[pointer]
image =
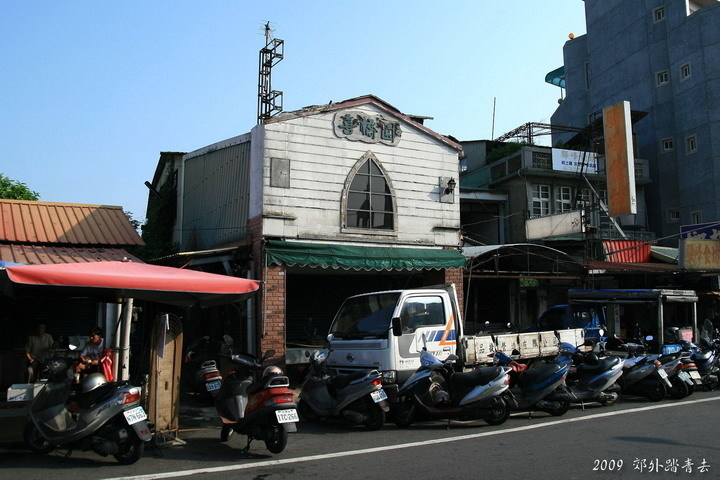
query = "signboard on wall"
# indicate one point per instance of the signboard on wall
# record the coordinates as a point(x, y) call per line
point(700, 254)
point(619, 159)
point(356, 125)
point(568, 223)
point(573, 160)
point(701, 231)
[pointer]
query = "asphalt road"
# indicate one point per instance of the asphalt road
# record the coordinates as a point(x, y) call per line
point(632, 439)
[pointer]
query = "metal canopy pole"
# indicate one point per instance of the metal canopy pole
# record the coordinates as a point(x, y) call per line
point(124, 367)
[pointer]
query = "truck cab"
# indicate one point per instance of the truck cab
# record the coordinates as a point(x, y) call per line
point(361, 335)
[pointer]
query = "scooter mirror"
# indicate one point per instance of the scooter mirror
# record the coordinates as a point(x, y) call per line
point(268, 353)
point(227, 339)
point(72, 347)
point(601, 332)
point(649, 338)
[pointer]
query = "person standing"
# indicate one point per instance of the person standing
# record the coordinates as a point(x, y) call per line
point(37, 351)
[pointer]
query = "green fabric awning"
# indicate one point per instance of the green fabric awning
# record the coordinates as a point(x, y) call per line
point(327, 255)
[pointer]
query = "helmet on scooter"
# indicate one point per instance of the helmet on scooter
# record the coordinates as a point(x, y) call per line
point(272, 370)
point(93, 382)
point(57, 370)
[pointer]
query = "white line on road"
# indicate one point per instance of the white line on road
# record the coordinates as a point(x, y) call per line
point(326, 456)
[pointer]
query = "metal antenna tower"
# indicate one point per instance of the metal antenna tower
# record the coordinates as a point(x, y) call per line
point(269, 100)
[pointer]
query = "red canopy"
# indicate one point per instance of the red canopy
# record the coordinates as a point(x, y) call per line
point(112, 280)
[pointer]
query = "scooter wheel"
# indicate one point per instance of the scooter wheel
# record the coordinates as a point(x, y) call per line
point(278, 441)
point(404, 415)
point(500, 413)
point(130, 451)
point(561, 409)
point(226, 432)
point(374, 418)
point(679, 389)
point(35, 440)
point(655, 391)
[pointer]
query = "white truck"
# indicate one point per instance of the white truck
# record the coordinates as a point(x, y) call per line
point(386, 331)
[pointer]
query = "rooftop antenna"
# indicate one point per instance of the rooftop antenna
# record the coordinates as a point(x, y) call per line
point(269, 100)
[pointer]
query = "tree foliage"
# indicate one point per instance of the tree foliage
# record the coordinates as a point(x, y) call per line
point(14, 190)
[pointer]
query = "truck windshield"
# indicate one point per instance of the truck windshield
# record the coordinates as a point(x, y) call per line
point(365, 316)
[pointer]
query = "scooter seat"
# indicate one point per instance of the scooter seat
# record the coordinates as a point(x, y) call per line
point(342, 381)
point(479, 376)
point(603, 364)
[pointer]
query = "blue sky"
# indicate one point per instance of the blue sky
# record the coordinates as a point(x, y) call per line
point(93, 91)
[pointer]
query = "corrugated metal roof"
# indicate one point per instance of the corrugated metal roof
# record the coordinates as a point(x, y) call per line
point(626, 251)
point(28, 222)
point(44, 254)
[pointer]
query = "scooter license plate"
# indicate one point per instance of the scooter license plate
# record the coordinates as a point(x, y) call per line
point(378, 395)
point(135, 415)
point(663, 373)
point(683, 376)
point(695, 375)
point(212, 386)
point(287, 415)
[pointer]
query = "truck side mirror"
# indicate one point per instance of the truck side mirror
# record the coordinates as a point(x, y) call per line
point(396, 327)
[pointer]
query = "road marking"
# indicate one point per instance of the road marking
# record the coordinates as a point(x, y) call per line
point(424, 443)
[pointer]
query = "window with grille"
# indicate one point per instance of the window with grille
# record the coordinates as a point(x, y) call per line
point(691, 144)
point(369, 200)
point(542, 160)
point(668, 144)
point(540, 200)
point(674, 215)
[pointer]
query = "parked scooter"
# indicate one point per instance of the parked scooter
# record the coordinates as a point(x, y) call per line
point(357, 397)
point(592, 376)
point(706, 358)
point(202, 374)
point(259, 406)
point(643, 375)
point(435, 391)
point(540, 385)
point(106, 417)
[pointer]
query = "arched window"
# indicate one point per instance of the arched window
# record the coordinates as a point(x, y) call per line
point(368, 200)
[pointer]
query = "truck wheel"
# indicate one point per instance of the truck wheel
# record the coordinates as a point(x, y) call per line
point(498, 414)
point(35, 440)
point(278, 441)
point(405, 414)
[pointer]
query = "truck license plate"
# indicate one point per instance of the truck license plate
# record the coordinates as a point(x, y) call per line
point(378, 395)
point(287, 415)
point(212, 386)
point(135, 415)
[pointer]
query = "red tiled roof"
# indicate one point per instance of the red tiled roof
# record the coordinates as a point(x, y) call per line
point(29, 222)
point(44, 254)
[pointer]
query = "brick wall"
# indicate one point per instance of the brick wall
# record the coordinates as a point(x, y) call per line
point(270, 303)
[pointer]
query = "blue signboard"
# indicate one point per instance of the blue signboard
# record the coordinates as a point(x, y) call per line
point(701, 231)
